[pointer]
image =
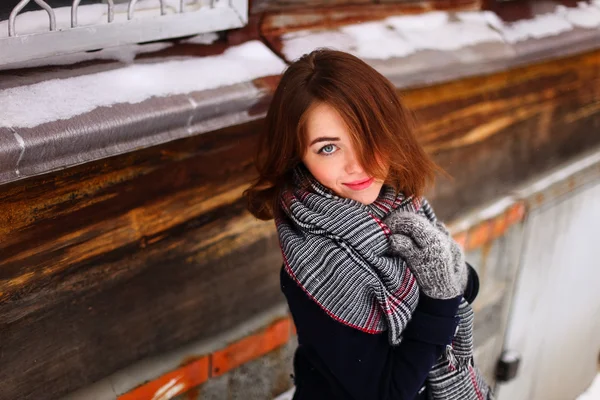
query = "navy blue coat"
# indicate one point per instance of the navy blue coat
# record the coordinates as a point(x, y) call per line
point(336, 362)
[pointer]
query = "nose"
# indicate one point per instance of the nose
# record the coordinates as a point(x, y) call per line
point(352, 166)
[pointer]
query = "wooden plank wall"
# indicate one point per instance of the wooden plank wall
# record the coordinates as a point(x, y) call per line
point(111, 261)
point(108, 262)
point(493, 132)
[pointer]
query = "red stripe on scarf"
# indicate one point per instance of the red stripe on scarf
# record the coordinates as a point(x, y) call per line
point(291, 274)
point(416, 203)
point(475, 386)
point(405, 288)
point(372, 314)
point(382, 225)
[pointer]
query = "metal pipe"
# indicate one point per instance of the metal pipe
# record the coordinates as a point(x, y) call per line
point(131, 8)
point(50, 12)
point(111, 10)
point(74, 13)
point(13, 16)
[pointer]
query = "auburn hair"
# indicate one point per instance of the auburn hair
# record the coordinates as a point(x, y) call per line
point(380, 127)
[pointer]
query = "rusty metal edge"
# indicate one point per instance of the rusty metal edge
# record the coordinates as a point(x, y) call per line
point(110, 131)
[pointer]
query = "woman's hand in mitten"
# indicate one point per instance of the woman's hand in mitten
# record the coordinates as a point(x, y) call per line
point(433, 257)
point(458, 256)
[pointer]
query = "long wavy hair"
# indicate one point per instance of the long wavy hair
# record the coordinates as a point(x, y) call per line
point(381, 128)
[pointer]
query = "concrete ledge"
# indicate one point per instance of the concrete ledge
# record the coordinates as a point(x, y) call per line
point(176, 372)
point(481, 226)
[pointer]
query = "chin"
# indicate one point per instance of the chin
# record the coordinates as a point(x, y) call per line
point(366, 200)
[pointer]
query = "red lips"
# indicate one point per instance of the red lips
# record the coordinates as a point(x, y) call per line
point(361, 184)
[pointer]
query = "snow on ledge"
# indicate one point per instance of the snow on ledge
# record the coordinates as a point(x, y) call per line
point(287, 395)
point(593, 391)
point(399, 36)
point(395, 36)
point(584, 15)
point(56, 99)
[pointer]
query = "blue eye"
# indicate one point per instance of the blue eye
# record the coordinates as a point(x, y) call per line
point(328, 149)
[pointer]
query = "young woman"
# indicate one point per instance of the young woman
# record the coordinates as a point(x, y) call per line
point(375, 284)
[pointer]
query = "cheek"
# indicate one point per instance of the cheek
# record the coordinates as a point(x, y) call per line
point(324, 170)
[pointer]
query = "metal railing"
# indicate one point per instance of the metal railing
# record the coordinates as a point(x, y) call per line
point(118, 25)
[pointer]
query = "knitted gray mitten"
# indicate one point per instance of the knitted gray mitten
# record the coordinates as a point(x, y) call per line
point(435, 259)
point(458, 257)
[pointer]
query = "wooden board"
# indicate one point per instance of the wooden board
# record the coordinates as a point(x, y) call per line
point(112, 261)
point(494, 132)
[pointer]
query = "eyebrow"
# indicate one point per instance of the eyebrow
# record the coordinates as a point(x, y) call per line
point(324, 139)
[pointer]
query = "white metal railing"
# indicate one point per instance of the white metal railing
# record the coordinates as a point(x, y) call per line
point(50, 32)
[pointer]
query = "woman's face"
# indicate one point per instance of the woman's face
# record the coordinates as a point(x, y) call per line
point(331, 157)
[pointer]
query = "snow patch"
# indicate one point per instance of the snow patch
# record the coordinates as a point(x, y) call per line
point(402, 35)
point(286, 395)
point(420, 22)
point(444, 34)
point(583, 16)
point(593, 392)
point(539, 27)
point(487, 17)
point(396, 36)
point(376, 40)
point(203, 38)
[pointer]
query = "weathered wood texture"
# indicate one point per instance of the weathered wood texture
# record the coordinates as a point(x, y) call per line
point(108, 262)
point(111, 261)
point(494, 132)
